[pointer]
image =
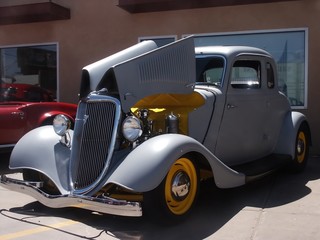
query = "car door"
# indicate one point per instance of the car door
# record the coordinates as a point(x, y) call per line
point(12, 123)
point(242, 135)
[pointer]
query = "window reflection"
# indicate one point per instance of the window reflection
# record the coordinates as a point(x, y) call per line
point(28, 73)
point(287, 48)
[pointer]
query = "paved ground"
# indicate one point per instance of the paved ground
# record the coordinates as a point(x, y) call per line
point(282, 206)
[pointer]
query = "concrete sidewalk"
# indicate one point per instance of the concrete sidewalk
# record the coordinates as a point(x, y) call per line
point(281, 206)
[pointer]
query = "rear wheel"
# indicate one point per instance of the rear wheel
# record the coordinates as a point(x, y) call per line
point(301, 149)
point(174, 198)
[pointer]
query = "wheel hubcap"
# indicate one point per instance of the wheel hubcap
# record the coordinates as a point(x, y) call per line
point(180, 186)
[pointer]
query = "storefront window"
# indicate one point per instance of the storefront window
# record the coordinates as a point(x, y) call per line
point(29, 67)
point(288, 47)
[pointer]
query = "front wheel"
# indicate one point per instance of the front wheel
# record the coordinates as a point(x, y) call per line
point(175, 196)
point(34, 176)
point(301, 149)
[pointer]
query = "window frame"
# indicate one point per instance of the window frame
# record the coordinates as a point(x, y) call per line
point(209, 58)
point(57, 59)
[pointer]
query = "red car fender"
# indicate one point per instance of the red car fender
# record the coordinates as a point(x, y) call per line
point(49, 116)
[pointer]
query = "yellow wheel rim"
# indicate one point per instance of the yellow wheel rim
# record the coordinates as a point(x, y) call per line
point(181, 186)
point(301, 147)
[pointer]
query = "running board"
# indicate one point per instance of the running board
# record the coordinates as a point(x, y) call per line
point(262, 167)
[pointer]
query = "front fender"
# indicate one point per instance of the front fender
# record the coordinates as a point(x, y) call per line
point(41, 150)
point(147, 165)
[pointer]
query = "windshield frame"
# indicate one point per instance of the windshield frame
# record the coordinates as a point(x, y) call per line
point(199, 71)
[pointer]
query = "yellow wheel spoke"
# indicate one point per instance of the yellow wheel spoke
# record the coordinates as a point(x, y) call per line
point(301, 147)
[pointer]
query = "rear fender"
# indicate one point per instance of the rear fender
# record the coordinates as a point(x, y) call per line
point(41, 150)
point(147, 165)
point(287, 138)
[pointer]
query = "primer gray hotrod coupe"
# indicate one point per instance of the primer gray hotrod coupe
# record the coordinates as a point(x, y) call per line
point(152, 122)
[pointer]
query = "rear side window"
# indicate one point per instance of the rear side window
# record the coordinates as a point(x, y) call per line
point(246, 74)
point(270, 75)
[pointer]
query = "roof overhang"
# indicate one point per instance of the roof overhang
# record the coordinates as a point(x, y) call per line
point(140, 6)
point(37, 12)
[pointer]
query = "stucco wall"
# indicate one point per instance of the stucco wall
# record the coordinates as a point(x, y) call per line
point(98, 28)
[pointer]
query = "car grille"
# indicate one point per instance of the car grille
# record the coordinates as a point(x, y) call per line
point(93, 141)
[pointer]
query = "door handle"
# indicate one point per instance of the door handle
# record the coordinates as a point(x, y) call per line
point(230, 106)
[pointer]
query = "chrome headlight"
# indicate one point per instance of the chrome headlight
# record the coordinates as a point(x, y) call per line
point(132, 128)
point(61, 124)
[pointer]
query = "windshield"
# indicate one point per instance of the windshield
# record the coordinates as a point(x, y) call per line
point(210, 69)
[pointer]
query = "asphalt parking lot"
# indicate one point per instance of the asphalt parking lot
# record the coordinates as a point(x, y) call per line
point(281, 206)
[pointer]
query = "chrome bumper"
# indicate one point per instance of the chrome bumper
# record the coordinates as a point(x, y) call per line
point(102, 205)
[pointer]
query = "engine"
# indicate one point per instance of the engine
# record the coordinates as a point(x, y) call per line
point(142, 124)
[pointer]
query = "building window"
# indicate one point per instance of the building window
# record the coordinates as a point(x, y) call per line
point(160, 40)
point(34, 65)
point(289, 49)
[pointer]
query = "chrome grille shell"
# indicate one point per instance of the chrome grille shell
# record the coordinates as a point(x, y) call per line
point(94, 138)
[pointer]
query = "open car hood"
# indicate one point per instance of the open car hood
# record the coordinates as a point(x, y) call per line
point(144, 70)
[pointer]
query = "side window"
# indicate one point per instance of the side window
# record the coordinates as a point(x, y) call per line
point(246, 74)
point(270, 75)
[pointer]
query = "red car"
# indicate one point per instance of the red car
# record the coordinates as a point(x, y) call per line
point(24, 107)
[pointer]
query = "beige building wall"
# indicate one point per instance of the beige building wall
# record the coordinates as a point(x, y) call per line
point(98, 28)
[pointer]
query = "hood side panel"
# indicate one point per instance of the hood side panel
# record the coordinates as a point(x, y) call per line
point(96, 70)
point(168, 69)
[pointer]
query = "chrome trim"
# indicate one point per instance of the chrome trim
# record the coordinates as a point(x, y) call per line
point(180, 186)
point(89, 168)
point(102, 205)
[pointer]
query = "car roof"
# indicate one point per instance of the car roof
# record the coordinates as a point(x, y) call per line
point(230, 51)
